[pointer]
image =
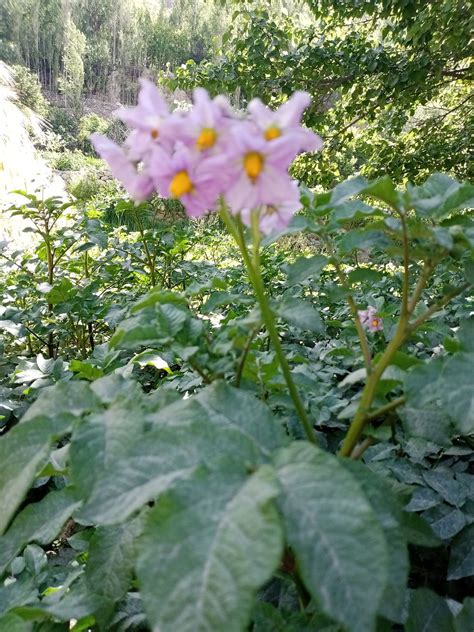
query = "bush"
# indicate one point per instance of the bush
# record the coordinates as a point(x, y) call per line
point(89, 124)
point(68, 161)
point(90, 186)
point(65, 124)
point(28, 89)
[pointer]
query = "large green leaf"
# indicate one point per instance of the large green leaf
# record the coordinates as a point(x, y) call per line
point(423, 415)
point(208, 546)
point(38, 522)
point(440, 195)
point(226, 408)
point(301, 314)
point(457, 391)
point(218, 424)
point(461, 562)
point(17, 593)
point(110, 563)
point(62, 403)
point(428, 612)
point(389, 512)
point(23, 451)
point(306, 268)
point(336, 535)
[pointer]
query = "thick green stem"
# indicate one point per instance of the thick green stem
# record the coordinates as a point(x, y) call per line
point(368, 394)
point(257, 283)
point(403, 331)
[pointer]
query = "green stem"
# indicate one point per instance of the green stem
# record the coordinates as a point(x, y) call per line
point(386, 408)
point(368, 394)
point(243, 357)
point(257, 283)
point(344, 281)
point(403, 331)
point(437, 306)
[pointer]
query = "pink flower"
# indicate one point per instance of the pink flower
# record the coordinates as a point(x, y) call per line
point(138, 183)
point(370, 320)
point(260, 170)
point(147, 119)
point(274, 217)
point(196, 181)
point(205, 127)
point(285, 123)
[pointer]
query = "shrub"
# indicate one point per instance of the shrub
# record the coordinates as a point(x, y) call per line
point(69, 161)
point(28, 89)
point(89, 124)
point(65, 124)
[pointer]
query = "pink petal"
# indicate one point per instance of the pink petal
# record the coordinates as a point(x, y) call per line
point(290, 113)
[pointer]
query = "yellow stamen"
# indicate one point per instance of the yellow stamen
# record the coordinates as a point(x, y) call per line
point(253, 164)
point(375, 322)
point(272, 132)
point(154, 134)
point(180, 184)
point(206, 138)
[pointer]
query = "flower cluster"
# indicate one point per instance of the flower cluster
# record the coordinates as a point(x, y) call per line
point(369, 319)
point(211, 152)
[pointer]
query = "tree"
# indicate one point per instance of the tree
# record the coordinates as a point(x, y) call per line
point(72, 79)
point(382, 76)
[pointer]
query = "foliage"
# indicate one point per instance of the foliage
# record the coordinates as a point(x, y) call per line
point(110, 43)
point(89, 124)
point(390, 81)
point(155, 471)
point(72, 80)
point(29, 91)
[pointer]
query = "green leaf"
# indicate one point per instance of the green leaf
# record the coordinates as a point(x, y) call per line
point(457, 391)
point(208, 546)
point(423, 415)
point(417, 531)
point(23, 451)
point(306, 268)
point(14, 623)
point(445, 521)
point(464, 619)
point(301, 314)
point(335, 534)
point(152, 327)
point(428, 612)
point(440, 195)
point(110, 564)
point(39, 522)
point(17, 593)
point(466, 334)
point(367, 275)
point(384, 190)
point(389, 513)
point(442, 481)
point(461, 561)
point(122, 470)
point(62, 404)
point(362, 239)
point(348, 189)
point(353, 210)
point(60, 292)
point(151, 358)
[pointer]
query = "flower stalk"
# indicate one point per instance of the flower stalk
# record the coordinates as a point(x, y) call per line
point(253, 269)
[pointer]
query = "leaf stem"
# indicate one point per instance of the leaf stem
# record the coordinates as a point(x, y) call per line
point(395, 403)
point(437, 306)
point(243, 357)
point(344, 281)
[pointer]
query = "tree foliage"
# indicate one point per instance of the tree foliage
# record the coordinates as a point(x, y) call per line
point(391, 81)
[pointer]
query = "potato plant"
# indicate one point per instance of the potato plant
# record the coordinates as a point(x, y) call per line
point(241, 448)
